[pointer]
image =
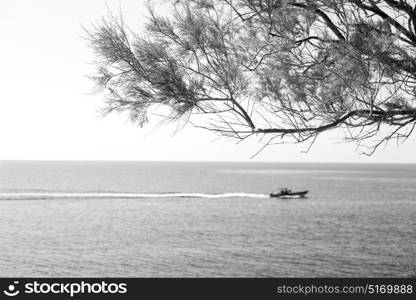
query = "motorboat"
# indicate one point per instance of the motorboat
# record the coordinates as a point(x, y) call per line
point(287, 193)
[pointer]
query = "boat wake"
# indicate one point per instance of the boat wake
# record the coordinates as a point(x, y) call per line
point(105, 195)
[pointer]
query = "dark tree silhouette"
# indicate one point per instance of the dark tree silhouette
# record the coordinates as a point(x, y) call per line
point(285, 69)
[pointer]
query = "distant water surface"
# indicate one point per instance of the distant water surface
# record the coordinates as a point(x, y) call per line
point(206, 219)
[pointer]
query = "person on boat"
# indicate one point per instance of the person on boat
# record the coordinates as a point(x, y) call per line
point(285, 191)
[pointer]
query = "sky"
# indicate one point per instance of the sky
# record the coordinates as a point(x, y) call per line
point(48, 110)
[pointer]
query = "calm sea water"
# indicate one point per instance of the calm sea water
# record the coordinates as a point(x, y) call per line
point(121, 219)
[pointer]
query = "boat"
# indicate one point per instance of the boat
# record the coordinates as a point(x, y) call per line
point(287, 193)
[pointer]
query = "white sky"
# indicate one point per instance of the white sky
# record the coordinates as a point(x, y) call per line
point(47, 110)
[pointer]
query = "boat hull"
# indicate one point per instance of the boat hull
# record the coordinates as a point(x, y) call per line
point(301, 194)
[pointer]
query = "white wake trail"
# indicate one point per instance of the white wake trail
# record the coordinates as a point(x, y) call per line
point(99, 195)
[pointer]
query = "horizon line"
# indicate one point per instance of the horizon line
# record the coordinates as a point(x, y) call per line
point(202, 161)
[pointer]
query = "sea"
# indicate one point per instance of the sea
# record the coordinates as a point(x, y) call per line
point(206, 219)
